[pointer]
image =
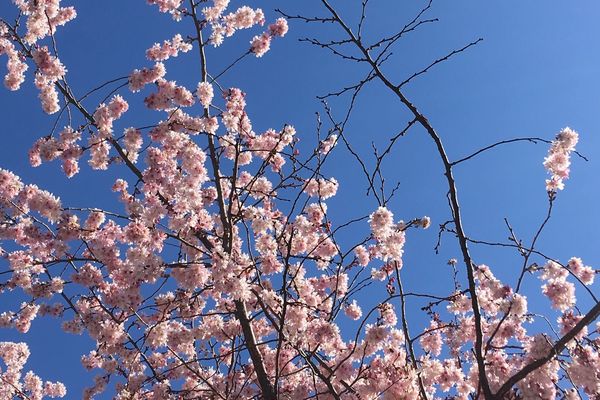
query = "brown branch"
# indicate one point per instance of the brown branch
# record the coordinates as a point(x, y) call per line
point(527, 139)
point(241, 312)
point(407, 338)
point(453, 195)
point(438, 61)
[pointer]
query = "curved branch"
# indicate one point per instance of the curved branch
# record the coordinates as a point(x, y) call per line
point(526, 139)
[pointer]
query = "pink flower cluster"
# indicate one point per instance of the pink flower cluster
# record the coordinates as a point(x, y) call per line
point(65, 147)
point(10, 186)
point(168, 49)
point(50, 70)
point(353, 310)
point(168, 6)
point(12, 382)
point(560, 292)
point(557, 161)
point(321, 187)
point(585, 273)
point(104, 118)
point(43, 17)
point(140, 78)
point(32, 198)
point(224, 26)
point(213, 13)
point(260, 44)
point(235, 118)
point(381, 222)
point(168, 96)
point(326, 145)
point(389, 238)
point(269, 145)
point(15, 65)
point(217, 239)
point(205, 93)
point(133, 143)
point(584, 370)
point(106, 114)
point(431, 341)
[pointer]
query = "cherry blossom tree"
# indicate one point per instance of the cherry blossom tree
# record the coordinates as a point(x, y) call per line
point(220, 274)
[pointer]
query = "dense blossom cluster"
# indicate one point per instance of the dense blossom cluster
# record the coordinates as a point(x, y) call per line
point(168, 6)
point(42, 19)
point(262, 43)
point(140, 78)
point(560, 291)
point(259, 287)
point(225, 25)
point(15, 65)
point(13, 384)
point(65, 147)
point(558, 160)
point(49, 71)
point(205, 93)
point(168, 49)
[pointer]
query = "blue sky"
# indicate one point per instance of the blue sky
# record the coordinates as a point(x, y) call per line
point(535, 72)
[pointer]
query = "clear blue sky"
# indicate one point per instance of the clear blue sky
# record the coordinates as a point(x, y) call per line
point(535, 72)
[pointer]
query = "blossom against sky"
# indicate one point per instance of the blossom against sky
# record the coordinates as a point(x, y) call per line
point(534, 73)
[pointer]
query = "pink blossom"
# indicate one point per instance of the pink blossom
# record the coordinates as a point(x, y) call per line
point(99, 150)
point(279, 28)
point(133, 143)
point(431, 341)
point(166, 6)
point(49, 98)
point(48, 65)
point(10, 185)
point(424, 222)
point(260, 44)
point(561, 293)
point(326, 145)
point(585, 273)
point(244, 18)
point(26, 316)
point(387, 315)
point(353, 310)
point(169, 95)
point(568, 321)
point(55, 389)
point(362, 256)
point(168, 49)
point(88, 275)
point(46, 204)
point(213, 13)
point(390, 247)
point(223, 238)
point(381, 222)
point(117, 107)
point(558, 160)
point(322, 188)
point(13, 384)
point(140, 78)
point(15, 65)
point(584, 370)
point(205, 93)
point(43, 18)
